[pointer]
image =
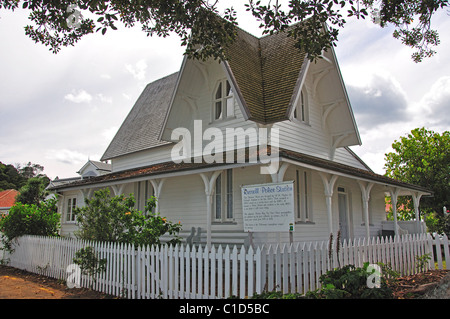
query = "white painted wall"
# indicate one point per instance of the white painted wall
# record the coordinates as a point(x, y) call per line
point(183, 200)
point(311, 139)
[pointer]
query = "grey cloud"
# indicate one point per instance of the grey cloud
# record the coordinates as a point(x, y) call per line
point(380, 102)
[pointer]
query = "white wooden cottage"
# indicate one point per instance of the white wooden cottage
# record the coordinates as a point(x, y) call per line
point(265, 83)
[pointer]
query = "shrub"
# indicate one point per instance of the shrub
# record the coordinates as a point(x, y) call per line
point(114, 219)
point(24, 219)
point(89, 263)
point(347, 282)
point(350, 282)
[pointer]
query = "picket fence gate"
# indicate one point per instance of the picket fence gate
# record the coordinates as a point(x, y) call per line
point(185, 271)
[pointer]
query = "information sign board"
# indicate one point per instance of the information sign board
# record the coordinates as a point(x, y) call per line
point(268, 207)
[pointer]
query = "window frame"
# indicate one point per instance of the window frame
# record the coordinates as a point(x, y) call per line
point(223, 87)
point(302, 108)
point(303, 197)
point(69, 207)
point(224, 195)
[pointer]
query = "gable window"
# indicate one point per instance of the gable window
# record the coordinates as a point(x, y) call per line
point(303, 196)
point(223, 101)
point(301, 111)
point(71, 205)
point(223, 201)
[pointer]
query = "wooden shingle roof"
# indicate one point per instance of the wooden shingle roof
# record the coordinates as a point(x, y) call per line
point(141, 127)
point(266, 72)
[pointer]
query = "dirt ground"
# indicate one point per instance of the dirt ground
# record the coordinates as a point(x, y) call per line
point(433, 284)
point(18, 284)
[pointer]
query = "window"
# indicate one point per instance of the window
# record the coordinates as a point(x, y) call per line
point(223, 202)
point(301, 111)
point(223, 101)
point(303, 196)
point(143, 191)
point(71, 204)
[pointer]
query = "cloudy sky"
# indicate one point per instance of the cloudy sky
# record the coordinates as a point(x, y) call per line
point(59, 110)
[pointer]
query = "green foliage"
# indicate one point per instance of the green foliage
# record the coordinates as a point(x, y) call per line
point(423, 158)
point(25, 219)
point(114, 219)
point(206, 32)
point(89, 262)
point(277, 295)
point(350, 282)
point(15, 177)
point(33, 192)
point(438, 223)
point(422, 261)
point(10, 178)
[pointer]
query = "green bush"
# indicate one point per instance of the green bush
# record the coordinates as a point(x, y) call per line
point(114, 219)
point(24, 219)
point(89, 263)
point(348, 282)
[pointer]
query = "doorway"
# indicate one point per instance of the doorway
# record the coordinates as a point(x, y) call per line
point(344, 213)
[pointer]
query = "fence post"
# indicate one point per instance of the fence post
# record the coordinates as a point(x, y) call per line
point(446, 251)
point(242, 271)
point(260, 269)
point(437, 243)
point(430, 249)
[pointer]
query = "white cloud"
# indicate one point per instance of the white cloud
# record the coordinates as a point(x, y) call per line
point(66, 156)
point(104, 99)
point(380, 100)
point(80, 96)
point(439, 95)
point(109, 133)
point(138, 70)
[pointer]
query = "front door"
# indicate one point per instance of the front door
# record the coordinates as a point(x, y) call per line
point(343, 215)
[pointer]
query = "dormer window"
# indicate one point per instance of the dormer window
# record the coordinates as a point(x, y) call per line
point(301, 112)
point(223, 101)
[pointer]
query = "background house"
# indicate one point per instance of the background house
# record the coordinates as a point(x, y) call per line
point(7, 200)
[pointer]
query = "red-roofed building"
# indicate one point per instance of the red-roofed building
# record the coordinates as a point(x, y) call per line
point(7, 199)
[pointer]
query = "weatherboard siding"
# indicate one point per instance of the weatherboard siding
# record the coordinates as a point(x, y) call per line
point(311, 139)
point(183, 200)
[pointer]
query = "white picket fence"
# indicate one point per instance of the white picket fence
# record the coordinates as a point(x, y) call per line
point(195, 272)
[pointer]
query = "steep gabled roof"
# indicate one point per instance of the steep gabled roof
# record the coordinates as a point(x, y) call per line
point(267, 74)
point(141, 128)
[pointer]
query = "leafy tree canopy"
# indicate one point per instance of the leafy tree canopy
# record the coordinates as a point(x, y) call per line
point(15, 177)
point(10, 178)
point(33, 192)
point(206, 32)
point(423, 158)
